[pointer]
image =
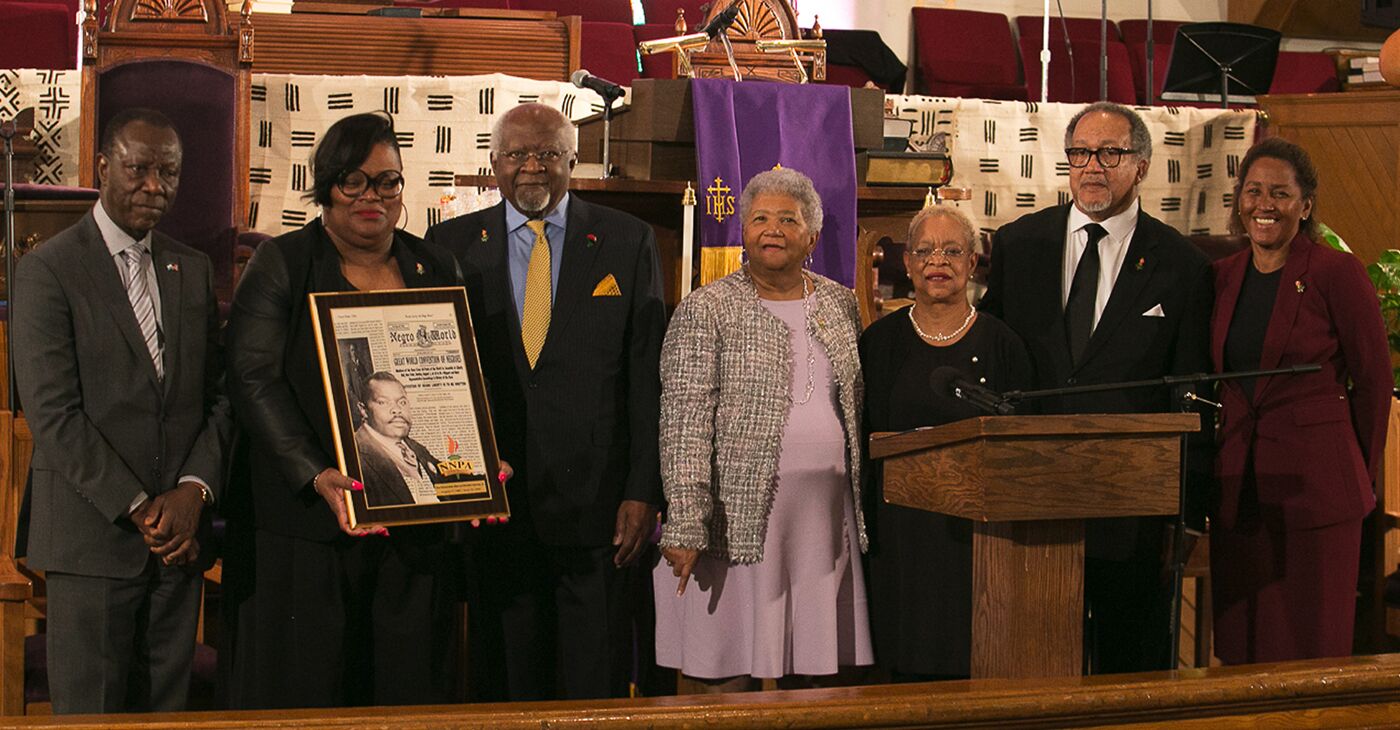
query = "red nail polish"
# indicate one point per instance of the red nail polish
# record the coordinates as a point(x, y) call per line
point(502, 477)
point(356, 486)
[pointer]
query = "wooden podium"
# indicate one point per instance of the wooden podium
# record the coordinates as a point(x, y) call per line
point(1028, 483)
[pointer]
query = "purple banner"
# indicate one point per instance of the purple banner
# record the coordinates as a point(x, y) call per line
point(744, 128)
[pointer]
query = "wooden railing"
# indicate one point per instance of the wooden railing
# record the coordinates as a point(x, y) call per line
point(1361, 691)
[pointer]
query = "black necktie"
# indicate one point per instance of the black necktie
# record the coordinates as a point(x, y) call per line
point(1083, 293)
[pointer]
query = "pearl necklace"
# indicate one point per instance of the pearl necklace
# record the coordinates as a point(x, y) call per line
point(807, 326)
point(941, 337)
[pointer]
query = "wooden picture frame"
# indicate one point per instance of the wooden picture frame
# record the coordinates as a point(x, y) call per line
point(408, 407)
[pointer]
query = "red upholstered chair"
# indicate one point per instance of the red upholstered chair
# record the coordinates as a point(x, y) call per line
point(1135, 31)
point(607, 11)
point(151, 54)
point(37, 35)
point(1161, 58)
point(609, 51)
point(1080, 84)
point(1304, 73)
point(663, 12)
point(853, 76)
point(1080, 29)
point(659, 65)
point(966, 53)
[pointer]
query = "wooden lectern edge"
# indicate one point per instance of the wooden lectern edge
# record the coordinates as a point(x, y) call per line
point(885, 444)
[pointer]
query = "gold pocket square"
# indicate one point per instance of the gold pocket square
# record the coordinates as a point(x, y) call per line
point(607, 287)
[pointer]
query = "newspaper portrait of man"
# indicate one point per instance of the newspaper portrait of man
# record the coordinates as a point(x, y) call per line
point(408, 405)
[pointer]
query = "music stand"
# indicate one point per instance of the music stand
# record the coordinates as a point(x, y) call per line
point(1208, 59)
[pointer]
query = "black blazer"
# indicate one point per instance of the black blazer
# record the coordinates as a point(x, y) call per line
point(1161, 267)
point(274, 376)
point(580, 429)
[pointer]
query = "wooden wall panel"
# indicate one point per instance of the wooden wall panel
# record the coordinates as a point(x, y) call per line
point(1354, 140)
point(1331, 19)
point(308, 43)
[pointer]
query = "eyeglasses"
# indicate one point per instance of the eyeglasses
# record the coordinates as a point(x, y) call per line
point(1108, 156)
point(920, 255)
point(545, 157)
point(387, 184)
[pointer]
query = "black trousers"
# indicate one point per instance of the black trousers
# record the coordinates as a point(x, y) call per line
point(1128, 603)
point(548, 622)
point(122, 644)
point(353, 622)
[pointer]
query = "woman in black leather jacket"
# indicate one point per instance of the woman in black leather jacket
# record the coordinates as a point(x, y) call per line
point(326, 615)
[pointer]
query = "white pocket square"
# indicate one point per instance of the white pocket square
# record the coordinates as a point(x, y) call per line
point(1155, 311)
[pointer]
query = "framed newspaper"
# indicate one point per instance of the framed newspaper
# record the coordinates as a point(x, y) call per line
point(408, 405)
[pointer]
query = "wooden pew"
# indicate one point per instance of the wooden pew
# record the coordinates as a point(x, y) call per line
point(1362, 691)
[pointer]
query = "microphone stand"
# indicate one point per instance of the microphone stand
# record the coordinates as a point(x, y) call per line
point(1151, 42)
point(1181, 386)
point(1103, 53)
point(608, 100)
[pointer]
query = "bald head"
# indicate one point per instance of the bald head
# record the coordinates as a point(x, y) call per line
point(533, 150)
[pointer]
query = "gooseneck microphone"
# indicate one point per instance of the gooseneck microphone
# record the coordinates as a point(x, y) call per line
point(721, 22)
point(606, 89)
point(950, 381)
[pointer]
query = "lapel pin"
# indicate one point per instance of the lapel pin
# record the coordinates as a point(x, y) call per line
point(176, 267)
point(484, 237)
point(592, 239)
point(1301, 286)
point(419, 268)
point(1141, 263)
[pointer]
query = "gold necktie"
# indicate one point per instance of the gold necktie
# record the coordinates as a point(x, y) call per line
point(534, 324)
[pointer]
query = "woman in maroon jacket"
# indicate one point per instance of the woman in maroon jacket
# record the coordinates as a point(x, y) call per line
point(1298, 454)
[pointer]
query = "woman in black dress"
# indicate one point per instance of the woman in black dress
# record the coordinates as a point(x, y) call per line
point(326, 615)
point(921, 563)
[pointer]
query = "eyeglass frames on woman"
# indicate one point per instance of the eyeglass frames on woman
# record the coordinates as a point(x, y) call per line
point(952, 253)
point(387, 184)
point(1108, 156)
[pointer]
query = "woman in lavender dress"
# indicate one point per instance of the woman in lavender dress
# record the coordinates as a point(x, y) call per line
point(760, 462)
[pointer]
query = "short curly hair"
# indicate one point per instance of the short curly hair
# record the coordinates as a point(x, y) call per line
point(787, 182)
point(1304, 172)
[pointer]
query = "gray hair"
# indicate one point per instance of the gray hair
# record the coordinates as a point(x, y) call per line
point(784, 181)
point(965, 227)
point(1138, 134)
point(564, 128)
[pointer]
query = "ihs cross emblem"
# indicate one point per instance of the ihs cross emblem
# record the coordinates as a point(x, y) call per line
point(719, 204)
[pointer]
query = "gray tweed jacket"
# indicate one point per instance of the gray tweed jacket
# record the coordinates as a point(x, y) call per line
point(726, 370)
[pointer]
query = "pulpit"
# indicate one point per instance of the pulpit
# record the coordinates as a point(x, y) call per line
point(1028, 483)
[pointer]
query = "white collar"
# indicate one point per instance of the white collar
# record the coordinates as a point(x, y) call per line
point(1119, 227)
point(116, 239)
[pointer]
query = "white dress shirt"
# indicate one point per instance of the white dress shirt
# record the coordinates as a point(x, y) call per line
point(1113, 248)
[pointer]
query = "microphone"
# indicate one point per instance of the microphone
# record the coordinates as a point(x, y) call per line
point(721, 22)
point(606, 89)
point(949, 380)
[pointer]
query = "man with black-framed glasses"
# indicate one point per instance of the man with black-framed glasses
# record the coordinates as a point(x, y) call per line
point(1103, 292)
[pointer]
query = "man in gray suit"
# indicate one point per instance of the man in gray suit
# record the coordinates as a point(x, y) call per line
point(116, 356)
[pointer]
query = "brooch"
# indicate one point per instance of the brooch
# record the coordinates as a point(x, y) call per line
point(592, 239)
point(1141, 263)
point(172, 267)
point(419, 269)
point(484, 237)
point(1301, 286)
